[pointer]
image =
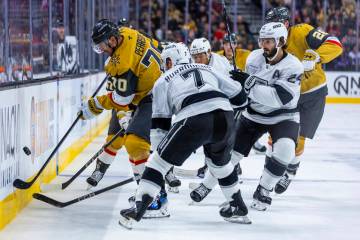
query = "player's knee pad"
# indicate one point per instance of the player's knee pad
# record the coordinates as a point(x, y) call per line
point(284, 150)
point(116, 144)
point(220, 171)
point(137, 147)
point(236, 157)
point(300, 146)
point(159, 164)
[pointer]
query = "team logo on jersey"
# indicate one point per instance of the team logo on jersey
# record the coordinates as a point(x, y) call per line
point(252, 69)
point(115, 60)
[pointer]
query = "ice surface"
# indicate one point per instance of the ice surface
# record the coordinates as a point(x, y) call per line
point(322, 203)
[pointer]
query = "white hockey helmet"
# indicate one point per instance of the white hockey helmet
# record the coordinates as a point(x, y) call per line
point(178, 53)
point(275, 30)
point(200, 45)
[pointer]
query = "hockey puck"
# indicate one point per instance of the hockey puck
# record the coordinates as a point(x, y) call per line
point(26, 150)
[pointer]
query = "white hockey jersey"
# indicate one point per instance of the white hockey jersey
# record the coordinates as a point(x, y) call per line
point(192, 89)
point(276, 98)
point(220, 64)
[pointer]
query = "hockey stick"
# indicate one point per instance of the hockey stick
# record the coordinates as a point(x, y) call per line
point(62, 186)
point(59, 204)
point(226, 19)
point(20, 184)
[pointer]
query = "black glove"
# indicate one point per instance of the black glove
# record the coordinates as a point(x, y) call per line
point(246, 81)
point(239, 76)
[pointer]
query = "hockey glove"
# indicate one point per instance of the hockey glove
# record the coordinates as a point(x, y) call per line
point(239, 76)
point(124, 118)
point(246, 81)
point(91, 109)
point(310, 59)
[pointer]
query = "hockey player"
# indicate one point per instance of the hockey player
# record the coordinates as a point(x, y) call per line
point(133, 67)
point(229, 43)
point(272, 81)
point(240, 54)
point(313, 47)
point(200, 50)
point(199, 97)
point(114, 127)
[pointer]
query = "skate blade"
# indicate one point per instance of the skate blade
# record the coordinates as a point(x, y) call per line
point(239, 220)
point(185, 173)
point(173, 189)
point(126, 223)
point(193, 185)
point(259, 206)
point(162, 213)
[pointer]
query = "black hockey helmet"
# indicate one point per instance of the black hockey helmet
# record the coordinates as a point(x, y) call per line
point(123, 22)
point(277, 14)
point(232, 38)
point(103, 30)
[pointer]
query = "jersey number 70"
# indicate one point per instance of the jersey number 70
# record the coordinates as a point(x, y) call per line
point(151, 53)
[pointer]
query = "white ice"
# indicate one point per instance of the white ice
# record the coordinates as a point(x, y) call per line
point(322, 203)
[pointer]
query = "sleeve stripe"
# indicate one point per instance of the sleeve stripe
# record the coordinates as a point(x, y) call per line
point(112, 100)
point(284, 95)
point(98, 104)
point(334, 42)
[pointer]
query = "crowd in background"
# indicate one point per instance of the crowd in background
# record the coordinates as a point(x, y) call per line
point(197, 24)
point(71, 35)
point(338, 19)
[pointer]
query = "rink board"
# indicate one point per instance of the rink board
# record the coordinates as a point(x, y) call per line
point(344, 87)
point(38, 116)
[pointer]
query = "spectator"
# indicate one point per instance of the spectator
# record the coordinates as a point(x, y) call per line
point(354, 56)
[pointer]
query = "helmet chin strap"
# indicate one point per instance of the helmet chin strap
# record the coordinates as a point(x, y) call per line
point(274, 55)
point(208, 57)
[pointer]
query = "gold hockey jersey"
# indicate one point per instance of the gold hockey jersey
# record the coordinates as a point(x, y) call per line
point(302, 37)
point(240, 57)
point(133, 69)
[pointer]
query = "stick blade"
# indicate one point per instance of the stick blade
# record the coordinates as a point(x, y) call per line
point(185, 172)
point(48, 200)
point(20, 184)
point(50, 187)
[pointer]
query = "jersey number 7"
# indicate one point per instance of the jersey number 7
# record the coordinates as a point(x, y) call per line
point(196, 75)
